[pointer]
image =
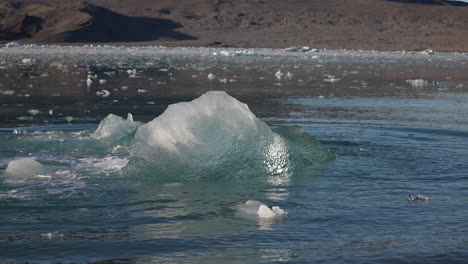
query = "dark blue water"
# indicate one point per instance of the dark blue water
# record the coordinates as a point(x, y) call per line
point(391, 139)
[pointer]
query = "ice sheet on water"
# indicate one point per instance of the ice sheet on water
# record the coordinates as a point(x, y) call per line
point(216, 136)
point(115, 128)
point(25, 167)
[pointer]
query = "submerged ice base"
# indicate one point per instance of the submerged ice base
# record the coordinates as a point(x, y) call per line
point(216, 136)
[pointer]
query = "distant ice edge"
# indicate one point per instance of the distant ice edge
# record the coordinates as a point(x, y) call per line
point(214, 137)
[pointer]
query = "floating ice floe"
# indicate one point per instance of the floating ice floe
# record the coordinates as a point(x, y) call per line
point(26, 60)
point(253, 208)
point(300, 49)
point(7, 92)
point(211, 76)
point(103, 93)
point(418, 197)
point(279, 75)
point(26, 167)
point(419, 83)
point(33, 111)
point(331, 79)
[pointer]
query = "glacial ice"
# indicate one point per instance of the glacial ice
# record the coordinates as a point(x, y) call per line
point(215, 136)
point(115, 128)
point(253, 208)
point(25, 167)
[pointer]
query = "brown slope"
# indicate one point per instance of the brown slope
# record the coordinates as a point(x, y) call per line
point(354, 24)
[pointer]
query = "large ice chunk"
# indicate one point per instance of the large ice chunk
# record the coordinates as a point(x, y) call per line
point(116, 128)
point(213, 136)
point(25, 167)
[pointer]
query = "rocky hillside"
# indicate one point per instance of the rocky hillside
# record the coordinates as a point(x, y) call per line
point(352, 24)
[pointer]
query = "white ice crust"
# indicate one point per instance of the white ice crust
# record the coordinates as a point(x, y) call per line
point(25, 167)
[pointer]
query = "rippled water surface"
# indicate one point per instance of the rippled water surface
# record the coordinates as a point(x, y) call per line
point(395, 124)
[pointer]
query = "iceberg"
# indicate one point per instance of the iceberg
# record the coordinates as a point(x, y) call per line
point(216, 136)
point(25, 167)
point(115, 128)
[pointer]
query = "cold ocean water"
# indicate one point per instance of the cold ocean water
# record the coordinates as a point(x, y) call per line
point(306, 157)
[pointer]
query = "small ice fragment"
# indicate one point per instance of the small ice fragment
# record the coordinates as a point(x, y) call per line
point(26, 60)
point(265, 212)
point(418, 197)
point(418, 83)
point(331, 79)
point(25, 167)
point(103, 93)
point(289, 75)
point(132, 73)
point(89, 82)
point(141, 91)
point(51, 112)
point(69, 119)
point(129, 117)
point(33, 111)
point(111, 164)
point(279, 75)
point(124, 88)
point(211, 76)
point(7, 92)
point(260, 210)
point(102, 81)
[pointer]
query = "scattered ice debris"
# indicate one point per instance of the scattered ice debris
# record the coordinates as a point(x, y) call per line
point(279, 75)
point(103, 93)
point(419, 83)
point(25, 167)
point(236, 53)
point(142, 91)
point(115, 127)
point(424, 52)
point(211, 76)
point(418, 197)
point(132, 73)
point(331, 79)
point(7, 92)
point(253, 208)
point(26, 60)
point(427, 52)
point(289, 75)
point(89, 82)
point(102, 81)
point(124, 88)
point(12, 45)
point(301, 49)
point(69, 119)
point(33, 112)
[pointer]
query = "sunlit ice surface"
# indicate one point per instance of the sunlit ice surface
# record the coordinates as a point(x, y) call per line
point(80, 185)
